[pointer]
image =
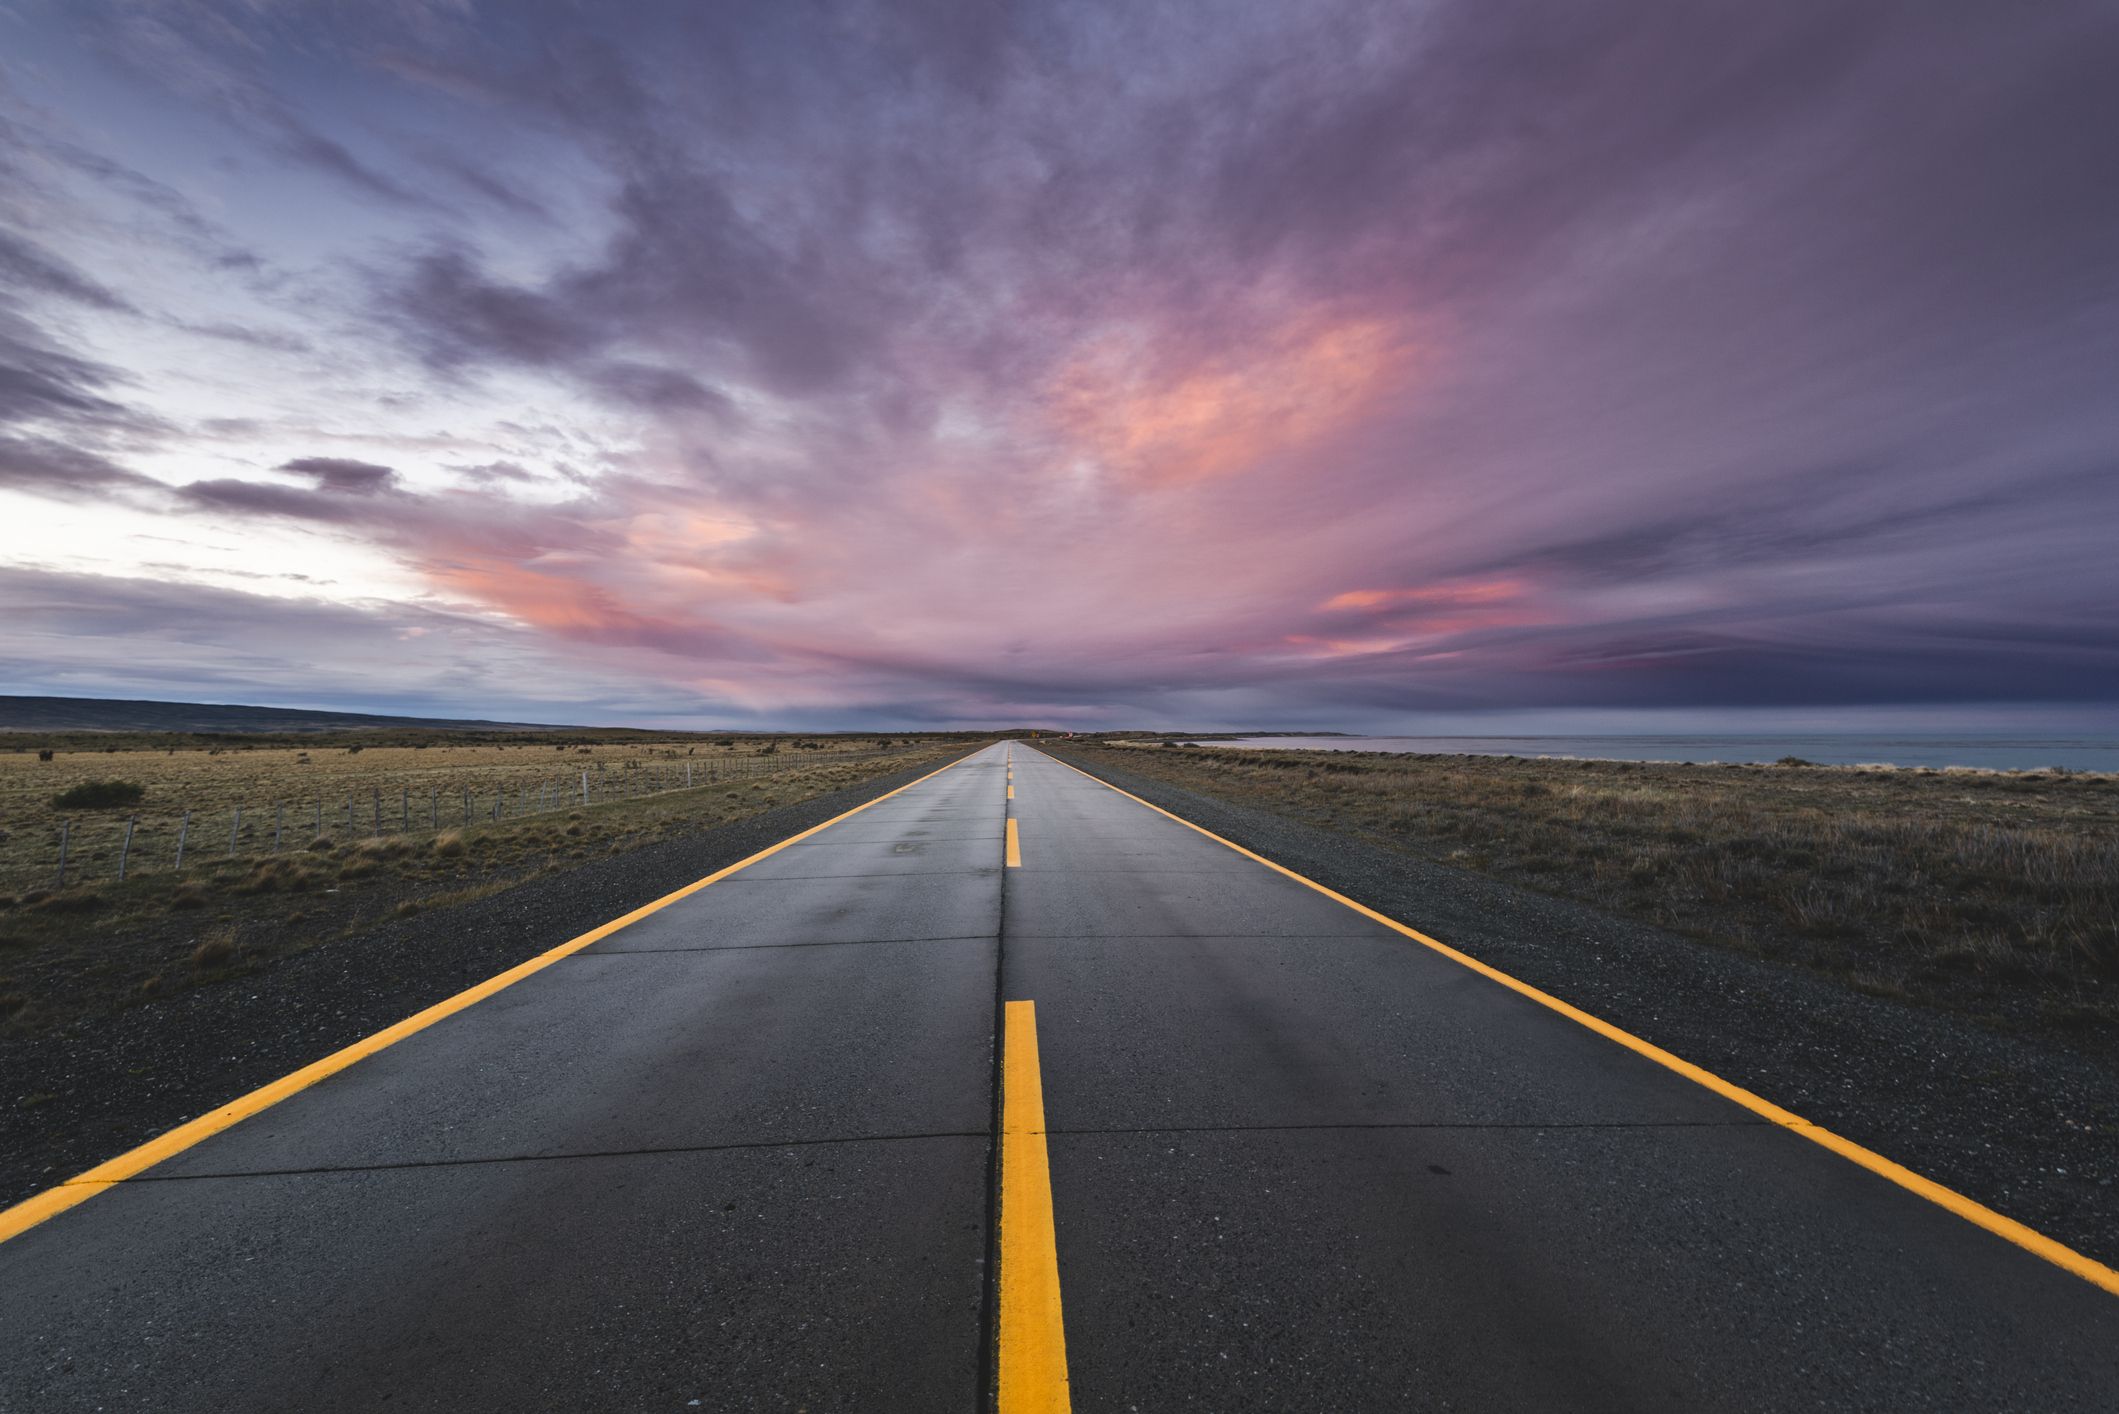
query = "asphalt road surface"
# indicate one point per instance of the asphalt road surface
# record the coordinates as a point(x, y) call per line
point(744, 1153)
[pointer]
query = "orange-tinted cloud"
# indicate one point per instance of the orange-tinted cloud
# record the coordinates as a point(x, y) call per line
point(557, 598)
point(1214, 415)
point(1490, 591)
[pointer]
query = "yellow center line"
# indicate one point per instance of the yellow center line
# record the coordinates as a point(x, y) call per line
point(1011, 792)
point(1033, 1336)
point(79, 1189)
point(2028, 1238)
point(1015, 846)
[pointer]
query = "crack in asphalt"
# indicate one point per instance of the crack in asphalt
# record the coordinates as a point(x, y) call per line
point(652, 1152)
point(771, 947)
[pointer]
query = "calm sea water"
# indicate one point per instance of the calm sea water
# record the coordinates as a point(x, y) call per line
point(1994, 753)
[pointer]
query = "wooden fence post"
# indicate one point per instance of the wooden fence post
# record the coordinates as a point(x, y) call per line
point(235, 829)
point(584, 790)
point(434, 807)
point(182, 830)
point(126, 848)
point(66, 830)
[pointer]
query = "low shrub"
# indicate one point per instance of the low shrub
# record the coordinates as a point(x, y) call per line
point(71, 903)
point(100, 795)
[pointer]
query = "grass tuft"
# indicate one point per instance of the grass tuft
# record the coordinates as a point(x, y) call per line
point(216, 951)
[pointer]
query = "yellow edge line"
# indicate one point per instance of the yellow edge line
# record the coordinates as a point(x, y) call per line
point(1033, 1334)
point(1015, 846)
point(31, 1211)
point(1978, 1214)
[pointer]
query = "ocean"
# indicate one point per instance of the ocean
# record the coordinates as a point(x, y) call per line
point(1992, 753)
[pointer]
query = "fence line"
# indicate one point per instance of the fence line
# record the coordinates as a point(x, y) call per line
point(603, 785)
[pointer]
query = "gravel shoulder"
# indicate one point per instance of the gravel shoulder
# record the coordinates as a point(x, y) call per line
point(80, 1095)
point(2022, 1126)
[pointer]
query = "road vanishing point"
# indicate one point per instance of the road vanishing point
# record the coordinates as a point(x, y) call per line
point(1010, 1089)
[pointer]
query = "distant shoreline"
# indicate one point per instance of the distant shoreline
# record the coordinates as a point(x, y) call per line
point(2093, 755)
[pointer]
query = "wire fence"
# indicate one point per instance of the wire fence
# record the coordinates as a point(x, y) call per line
point(106, 846)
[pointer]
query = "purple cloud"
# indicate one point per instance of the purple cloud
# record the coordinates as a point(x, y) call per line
point(918, 363)
point(343, 475)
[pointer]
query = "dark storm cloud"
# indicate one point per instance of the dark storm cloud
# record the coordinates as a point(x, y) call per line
point(343, 475)
point(57, 468)
point(456, 314)
point(686, 273)
point(42, 383)
point(27, 266)
point(58, 411)
point(266, 499)
point(654, 389)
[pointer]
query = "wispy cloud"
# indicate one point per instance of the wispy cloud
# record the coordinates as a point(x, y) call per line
point(1122, 361)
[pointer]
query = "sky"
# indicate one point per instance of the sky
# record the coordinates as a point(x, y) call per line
point(1395, 367)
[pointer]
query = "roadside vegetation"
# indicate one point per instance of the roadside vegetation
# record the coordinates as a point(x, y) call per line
point(98, 943)
point(1990, 893)
point(245, 796)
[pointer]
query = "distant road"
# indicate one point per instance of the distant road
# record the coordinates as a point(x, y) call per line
point(1255, 1149)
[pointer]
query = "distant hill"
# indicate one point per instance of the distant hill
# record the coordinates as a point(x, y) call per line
point(96, 714)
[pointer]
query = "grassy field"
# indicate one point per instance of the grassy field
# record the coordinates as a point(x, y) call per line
point(1987, 892)
point(95, 943)
point(249, 796)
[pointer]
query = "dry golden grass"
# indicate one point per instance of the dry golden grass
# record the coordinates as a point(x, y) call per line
point(99, 943)
point(1995, 892)
point(289, 794)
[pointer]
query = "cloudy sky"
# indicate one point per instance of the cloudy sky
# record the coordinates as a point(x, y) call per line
point(1397, 366)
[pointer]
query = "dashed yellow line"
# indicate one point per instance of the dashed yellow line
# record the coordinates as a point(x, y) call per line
point(1033, 1334)
point(50, 1203)
point(1015, 846)
point(1979, 1215)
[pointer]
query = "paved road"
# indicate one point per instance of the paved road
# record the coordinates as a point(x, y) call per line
point(741, 1155)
